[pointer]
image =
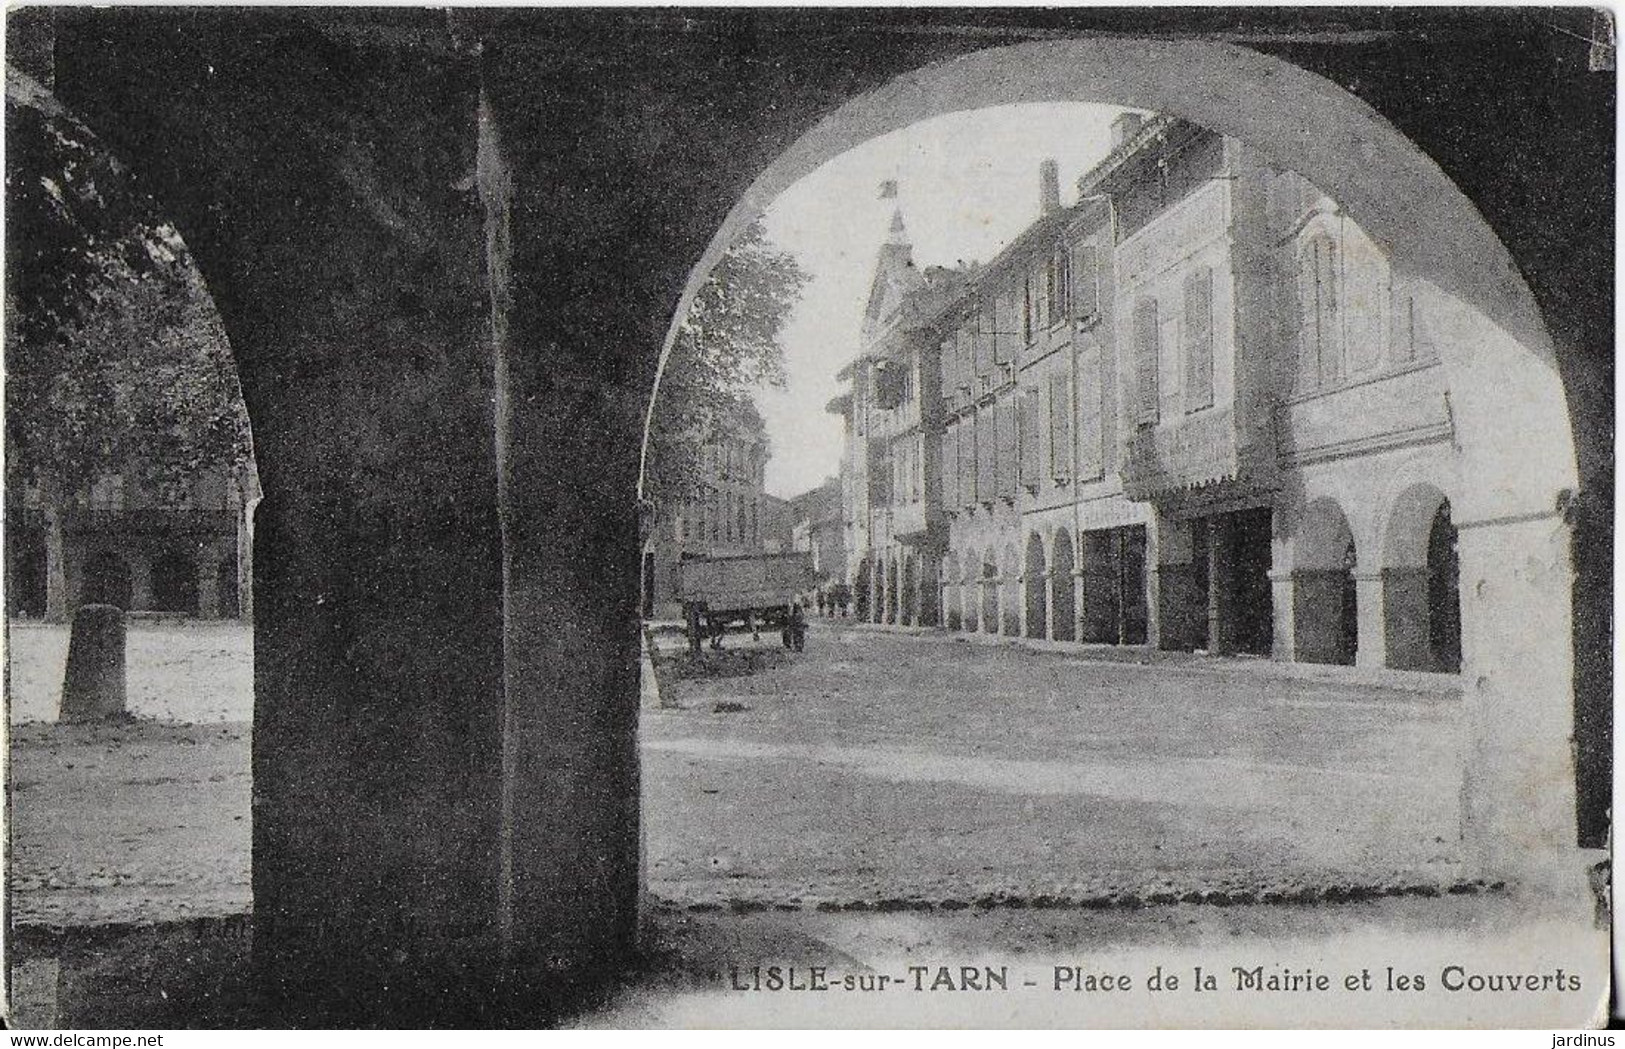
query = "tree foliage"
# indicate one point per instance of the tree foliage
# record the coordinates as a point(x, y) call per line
point(115, 356)
point(726, 346)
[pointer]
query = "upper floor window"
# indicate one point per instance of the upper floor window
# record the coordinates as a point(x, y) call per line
point(1028, 309)
point(1320, 351)
point(1147, 349)
point(1197, 339)
point(1084, 273)
point(1060, 285)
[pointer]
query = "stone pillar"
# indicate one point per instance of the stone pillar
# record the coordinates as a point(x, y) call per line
point(1519, 789)
point(1372, 650)
point(93, 687)
point(245, 559)
point(1283, 594)
point(1220, 600)
point(140, 581)
point(1079, 610)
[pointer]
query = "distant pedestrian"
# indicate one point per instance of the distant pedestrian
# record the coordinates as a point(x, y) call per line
point(820, 600)
point(796, 631)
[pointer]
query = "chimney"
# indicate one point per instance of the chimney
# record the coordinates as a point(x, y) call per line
point(1049, 188)
point(1125, 127)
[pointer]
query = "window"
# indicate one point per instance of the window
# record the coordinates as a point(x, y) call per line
point(1091, 432)
point(1028, 306)
point(1028, 424)
point(1004, 415)
point(1320, 361)
point(1146, 348)
point(1060, 426)
point(1085, 283)
point(950, 468)
point(1197, 338)
point(1060, 292)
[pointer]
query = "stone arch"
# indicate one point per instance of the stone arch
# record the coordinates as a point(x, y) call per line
point(1034, 585)
point(1063, 591)
point(27, 570)
point(1318, 128)
point(1324, 600)
point(1421, 582)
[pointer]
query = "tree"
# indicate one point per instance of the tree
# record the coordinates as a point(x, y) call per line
point(727, 345)
point(115, 357)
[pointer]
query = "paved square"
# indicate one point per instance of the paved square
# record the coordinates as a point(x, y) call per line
point(880, 765)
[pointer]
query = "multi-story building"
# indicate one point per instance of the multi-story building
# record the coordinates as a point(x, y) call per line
point(729, 515)
point(1197, 409)
point(895, 528)
point(178, 549)
point(818, 529)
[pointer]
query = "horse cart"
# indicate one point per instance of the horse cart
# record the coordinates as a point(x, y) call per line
point(752, 591)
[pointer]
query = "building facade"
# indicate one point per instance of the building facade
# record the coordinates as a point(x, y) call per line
point(1197, 409)
point(894, 524)
point(817, 528)
point(181, 550)
point(730, 514)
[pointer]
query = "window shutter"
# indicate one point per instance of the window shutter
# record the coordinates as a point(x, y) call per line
point(986, 456)
point(1146, 345)
point(1060, 426)
point(983, 347)
point(1326, 282)
point(1030, 466)
point(1086, 283)
point(1027, 308)
point(1061, 299)
point(967, 462)
point(1198, 339)
point(1308, 317)
point(1005, 416)
point(1091, 441)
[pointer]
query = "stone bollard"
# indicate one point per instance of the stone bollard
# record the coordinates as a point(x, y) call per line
point(93, 688)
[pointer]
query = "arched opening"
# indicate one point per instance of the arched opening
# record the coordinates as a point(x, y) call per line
point(1037, 620)
point(1421, 583)
point(105, 580)
point(1010, 592)
point(990, 592)
point(861, 590)
point(174, 583)
point(952, 614)
point(1330, 158)
point(892, 595)
point(225, 588)
point(1062, 589)
point(1324, 602)
point(911, 591)
point(26, 568)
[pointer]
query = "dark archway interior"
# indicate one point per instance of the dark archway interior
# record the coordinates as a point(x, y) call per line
point(448, 328)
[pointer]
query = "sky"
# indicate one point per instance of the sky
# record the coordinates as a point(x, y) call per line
point(967, 185)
